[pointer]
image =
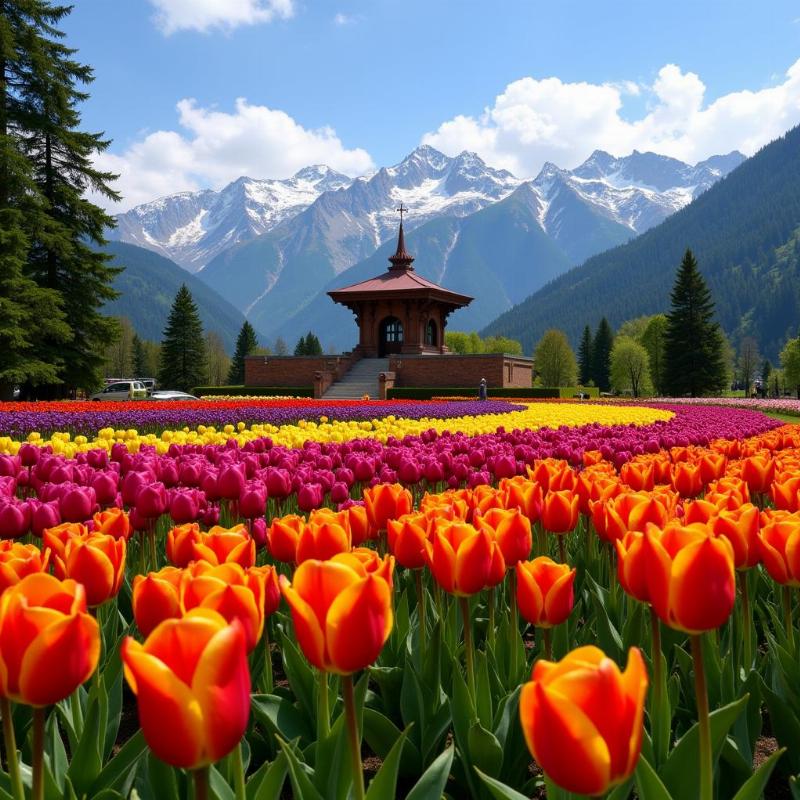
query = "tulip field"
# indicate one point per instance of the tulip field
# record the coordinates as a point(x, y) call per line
point(253, 600)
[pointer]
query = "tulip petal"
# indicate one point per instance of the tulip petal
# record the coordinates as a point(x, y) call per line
point(473, 564)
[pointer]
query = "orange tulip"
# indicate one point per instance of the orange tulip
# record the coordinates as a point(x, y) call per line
point(229, 590)
point(740, 528)
point(758, 472)
point(582, 719)
point(386, 501)
point(779, 545)
point(485, 498)
point(560, 511)
point(55, 539)
point(687, 480)
point(114, 522)
point(639, 475)
point(19, 560)
point(98, 562)
point(712, 466)
point(512, 532)
point(786, 493)
point(366, 561)
point(359, 524)
point(452, 505)
point(49, 644)
point(192, 684)
point(407, 537)
point(631, 566)
point(690, 576)
point(523, 494)
point(284, 534)
point(342, 618)
point(180, 543)
point(545, 591)
point(462, 559)
point(225, 544)
point(156, 597)
point(322, 540)
point(699, 511)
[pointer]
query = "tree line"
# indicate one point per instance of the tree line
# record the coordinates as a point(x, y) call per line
point(681, 352)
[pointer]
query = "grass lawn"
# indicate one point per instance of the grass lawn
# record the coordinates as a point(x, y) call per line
point(791, 419)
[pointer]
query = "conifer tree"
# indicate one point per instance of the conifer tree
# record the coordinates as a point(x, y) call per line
point(29, 314)
point(139, 358)
point(694, 358)
point(313, 345)
point(300, 348)
point(585, 357)
point(183, 353)
point(602, 345)
point(246, 344)
point(66, 229)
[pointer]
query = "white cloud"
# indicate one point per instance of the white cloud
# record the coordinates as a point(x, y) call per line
point(217, 147)
point(538, 120)
point(341, 19)
point(202, 15)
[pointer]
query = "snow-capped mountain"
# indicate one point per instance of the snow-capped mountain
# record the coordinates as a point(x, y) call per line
point(191, 228)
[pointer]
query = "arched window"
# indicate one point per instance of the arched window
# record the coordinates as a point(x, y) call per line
point(432, 334)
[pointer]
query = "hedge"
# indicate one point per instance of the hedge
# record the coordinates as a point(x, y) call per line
point(255, 391)
point(510, 392)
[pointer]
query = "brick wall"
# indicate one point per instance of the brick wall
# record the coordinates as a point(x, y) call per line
point(457, 370)
point(292, 370)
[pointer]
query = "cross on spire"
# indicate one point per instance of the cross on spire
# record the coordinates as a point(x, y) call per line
point(402, 210)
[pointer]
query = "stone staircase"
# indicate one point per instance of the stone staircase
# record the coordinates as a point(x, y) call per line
point(360, 379)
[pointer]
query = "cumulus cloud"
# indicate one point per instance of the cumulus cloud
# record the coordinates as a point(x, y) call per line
point(537, 120)
point(216, 147)
point(203, 15)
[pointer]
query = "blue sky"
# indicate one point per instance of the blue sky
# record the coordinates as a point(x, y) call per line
point(360, 84)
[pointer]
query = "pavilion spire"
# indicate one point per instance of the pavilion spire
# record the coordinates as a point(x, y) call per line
point(402, 259)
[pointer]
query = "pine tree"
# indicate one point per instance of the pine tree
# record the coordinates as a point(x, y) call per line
point(29, 314)
point(300, 349)
point(602, 345)
point(183, 354)
point(246, 344)
point(585, 357)
point(694, 359)
point(64, 255)
point(139, 358)
point(313, 345)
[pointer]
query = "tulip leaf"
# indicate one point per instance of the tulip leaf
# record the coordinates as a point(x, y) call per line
point(300, 675)
point(485, 751)
point(499, 790)
point(384, 784)
point(159, 781)
point(483, 690)
point(302, 787)
point(431, 785)
point(55, 749)
point(87, 758)
point(753, 787)
point(112, 678)
point(608, 636)
point(280, 716)
point(266, 783)
point(650, 787)
point(785, 725)
point(219, 786)
point(382, 734)
point(680, 772)
point(623, 791)
point(119, 773)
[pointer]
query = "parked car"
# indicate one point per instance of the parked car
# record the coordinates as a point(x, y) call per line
point(121, 390)
point(171, 395)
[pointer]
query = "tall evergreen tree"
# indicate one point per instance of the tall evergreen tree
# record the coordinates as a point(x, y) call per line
point(300, 348)
point(139, 358)
point(585, 357)
point(694, 358)
point(29, 314)
point(246, 344)
point(313, 345)
point(65, 254)
point(183, 353)
point(602, 345)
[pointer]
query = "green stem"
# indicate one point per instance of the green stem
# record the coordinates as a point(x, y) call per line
point(547, 637)
point(747, 621)
point(660, 728)
point(703, 719)
point(323, 712)
point(512, 591)
point(37, 791)
point(201, 783)
point(353, 736)
point(420, 613)
point(490, 603)
point(562, 549)
point(463, 603)
point(268, 678)
point(238, 772)
point(11, 750)
point(787, 616)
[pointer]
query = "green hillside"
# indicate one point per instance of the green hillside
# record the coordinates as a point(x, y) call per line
point(745, 234)
point(147, 288)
